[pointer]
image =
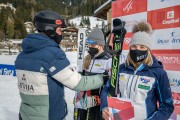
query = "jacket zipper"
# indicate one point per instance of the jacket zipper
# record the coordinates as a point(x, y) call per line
point(132, 82)
point(136, 83)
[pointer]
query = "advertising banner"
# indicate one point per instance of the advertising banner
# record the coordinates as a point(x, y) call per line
point(164, 17)
point(132, 19)
point(170, 59)
point(127, 7)
point(158, 4)
point(164, 39)
point(7, 70)
point(174, 79)
point(127, 40)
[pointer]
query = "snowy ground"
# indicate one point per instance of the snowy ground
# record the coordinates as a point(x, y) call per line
point(9, 95)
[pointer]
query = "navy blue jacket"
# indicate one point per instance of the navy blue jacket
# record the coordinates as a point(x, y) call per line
point(146, 86)
point(42, 71)
point(35, 65)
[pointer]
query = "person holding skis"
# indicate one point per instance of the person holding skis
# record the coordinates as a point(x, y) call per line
point(142, 80)
point(96, 62)
point(43, 70)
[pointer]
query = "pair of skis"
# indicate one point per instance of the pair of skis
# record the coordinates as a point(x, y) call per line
point(117, 38)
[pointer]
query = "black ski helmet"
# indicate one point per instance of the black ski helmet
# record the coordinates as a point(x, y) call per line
point(46, 20)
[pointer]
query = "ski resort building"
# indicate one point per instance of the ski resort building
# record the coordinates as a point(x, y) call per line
point(69, 42)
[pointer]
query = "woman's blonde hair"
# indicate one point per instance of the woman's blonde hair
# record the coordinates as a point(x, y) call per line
point(86, 62)
point(148, 60)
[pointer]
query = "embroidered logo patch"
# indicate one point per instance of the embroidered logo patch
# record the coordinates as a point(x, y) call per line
point(98, 65)
point(143, 87)
point(144, 80)
point(52, 69)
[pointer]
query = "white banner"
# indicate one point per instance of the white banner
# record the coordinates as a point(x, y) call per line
point(158, 4)
point(166, 39)
point(132, 19)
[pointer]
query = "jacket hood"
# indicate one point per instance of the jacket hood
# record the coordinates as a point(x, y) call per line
point(156, 63)
point(34, 42)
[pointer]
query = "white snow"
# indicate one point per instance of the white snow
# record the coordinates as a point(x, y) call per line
point(94, 21)
point(10, 99)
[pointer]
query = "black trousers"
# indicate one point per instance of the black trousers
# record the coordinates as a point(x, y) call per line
point(90, 114)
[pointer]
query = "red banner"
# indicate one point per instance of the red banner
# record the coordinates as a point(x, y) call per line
point(176, 98)
point(164, 18)
point(127, 40)
point(169, 58)
point(127, 7)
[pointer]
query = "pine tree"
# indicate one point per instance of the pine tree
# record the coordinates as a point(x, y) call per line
point(20, 30)
point(10, 28)
point(26, 9)
point(2, 35)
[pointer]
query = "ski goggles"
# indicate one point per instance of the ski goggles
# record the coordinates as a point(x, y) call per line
point(90, 41)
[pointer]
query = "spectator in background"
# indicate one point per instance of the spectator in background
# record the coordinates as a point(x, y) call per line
point(96, 62)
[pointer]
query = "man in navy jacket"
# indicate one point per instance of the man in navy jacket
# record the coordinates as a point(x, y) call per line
point(43, 70)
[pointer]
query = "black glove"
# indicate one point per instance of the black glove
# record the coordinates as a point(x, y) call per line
point(105, 77)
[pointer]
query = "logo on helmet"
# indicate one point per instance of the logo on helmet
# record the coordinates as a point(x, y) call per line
point(58, 22)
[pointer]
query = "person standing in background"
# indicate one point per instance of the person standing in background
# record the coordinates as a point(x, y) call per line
point(96, 62)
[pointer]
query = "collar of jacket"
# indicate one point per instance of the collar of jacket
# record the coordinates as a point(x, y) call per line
point(140, 67)
point(100, 55)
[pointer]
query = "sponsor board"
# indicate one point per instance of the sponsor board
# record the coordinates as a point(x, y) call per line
point(170, 59)
point(176, 99)
point(127, 7)
point(127, 40)
point(164, 18)
point(159, 4)
point(7, 70)
point(166, 39)
point(174, 80)
point(133, 19)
